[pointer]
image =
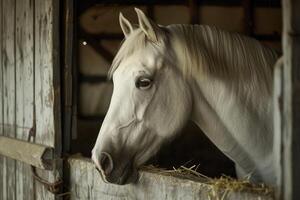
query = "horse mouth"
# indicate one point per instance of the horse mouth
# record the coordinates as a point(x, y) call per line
point(128, 176)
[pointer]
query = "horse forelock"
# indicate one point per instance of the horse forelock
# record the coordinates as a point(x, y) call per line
point(136, 41)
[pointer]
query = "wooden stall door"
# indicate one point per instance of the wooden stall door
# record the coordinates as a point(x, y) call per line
point(29, 90)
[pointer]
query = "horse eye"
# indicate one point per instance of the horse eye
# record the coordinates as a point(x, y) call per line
point(143, 83)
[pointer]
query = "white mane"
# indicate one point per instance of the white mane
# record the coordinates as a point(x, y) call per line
point(203, 50)
point(243, 63)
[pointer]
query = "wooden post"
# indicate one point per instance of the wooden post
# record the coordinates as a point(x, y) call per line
point(67, 82)
point(291, 101)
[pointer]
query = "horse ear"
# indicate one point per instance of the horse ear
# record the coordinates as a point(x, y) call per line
point(148, 27)
point(125, 25)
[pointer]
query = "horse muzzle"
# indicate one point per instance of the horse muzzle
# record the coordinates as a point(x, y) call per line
point(114, 172)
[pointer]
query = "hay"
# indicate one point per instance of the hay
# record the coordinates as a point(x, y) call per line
point(218, 186)
point(241, 185)
point(182, 172)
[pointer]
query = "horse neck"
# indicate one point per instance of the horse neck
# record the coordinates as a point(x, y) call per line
point(231, 89)
point(240, 131)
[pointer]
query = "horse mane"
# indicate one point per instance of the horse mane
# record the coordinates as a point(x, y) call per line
point(208, 51)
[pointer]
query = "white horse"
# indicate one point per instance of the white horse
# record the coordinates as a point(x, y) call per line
point(164, 76)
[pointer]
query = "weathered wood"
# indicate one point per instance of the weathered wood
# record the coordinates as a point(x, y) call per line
point(1, 74)
point(34, 154)
point(1, 100)
point(47, 86)
point(29, 91)
point(86, 184)
point(24, 95)
point(9, 118)
point(68, 73)
point(291, 99)
point(45, 94)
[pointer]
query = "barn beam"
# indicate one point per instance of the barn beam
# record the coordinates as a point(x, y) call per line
point(291, 100)
point(33, 154)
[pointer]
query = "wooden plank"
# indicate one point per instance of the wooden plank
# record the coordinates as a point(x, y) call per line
point(33, 154)
point(68, 73)
point(24, 93)
point(291, 99)
point(86, 184)
point(8, 56)
point(1, 102)
point(47, 86)
point(1, 73)
point(44, 92)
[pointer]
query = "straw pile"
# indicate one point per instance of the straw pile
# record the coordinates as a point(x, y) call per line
point(218, 186)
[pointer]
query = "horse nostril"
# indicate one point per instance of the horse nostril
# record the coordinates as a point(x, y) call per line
point(106, 163)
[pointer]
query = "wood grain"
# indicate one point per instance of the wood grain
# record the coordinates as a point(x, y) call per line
point(9, 118)
point(33, 154)
point(24, 90)
point(47, 88)
point(29, 88)
point(86, 184)
point(1, 103)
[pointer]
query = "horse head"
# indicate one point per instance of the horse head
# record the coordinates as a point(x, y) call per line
point(151, 101)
